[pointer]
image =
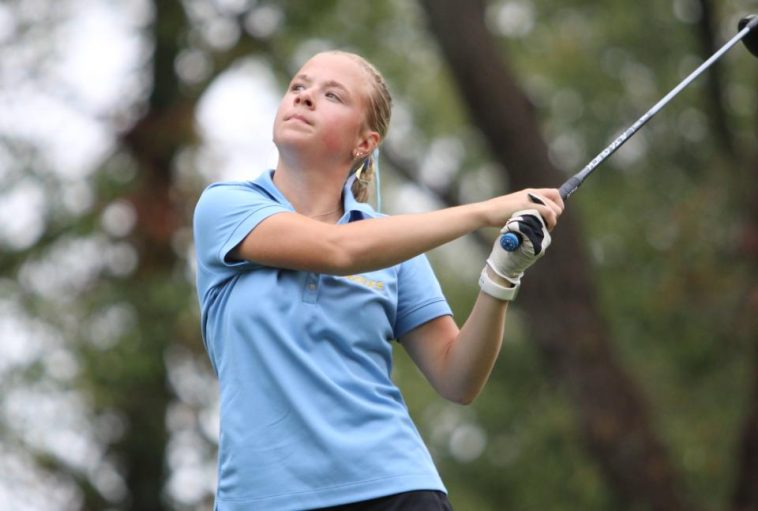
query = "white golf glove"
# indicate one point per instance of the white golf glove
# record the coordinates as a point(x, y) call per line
point(535, 238)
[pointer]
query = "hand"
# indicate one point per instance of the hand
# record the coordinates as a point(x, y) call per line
point(499, 209)
point(535, 237)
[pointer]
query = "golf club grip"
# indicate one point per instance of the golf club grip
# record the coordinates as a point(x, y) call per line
point(569, 187)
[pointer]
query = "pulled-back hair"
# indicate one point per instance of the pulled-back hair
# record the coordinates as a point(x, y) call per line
point(377, 119)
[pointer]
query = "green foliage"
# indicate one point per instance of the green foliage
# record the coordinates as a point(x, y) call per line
point(662, 219)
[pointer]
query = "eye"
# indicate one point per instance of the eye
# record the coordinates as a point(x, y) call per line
point(296, 87)
point(333, 96)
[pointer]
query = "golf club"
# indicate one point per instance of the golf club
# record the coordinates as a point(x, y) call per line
point(511, 241)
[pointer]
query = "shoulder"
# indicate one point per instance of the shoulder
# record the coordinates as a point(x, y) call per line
point(231, 194)
point(223, 188)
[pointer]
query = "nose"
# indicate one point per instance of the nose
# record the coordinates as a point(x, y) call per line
point(303, 97)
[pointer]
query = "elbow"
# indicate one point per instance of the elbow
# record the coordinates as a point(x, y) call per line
point(462, 397)
point(342, 257)
point(340, 262)
point(466, 399)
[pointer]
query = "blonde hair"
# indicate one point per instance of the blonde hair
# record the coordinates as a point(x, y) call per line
point(377, 119)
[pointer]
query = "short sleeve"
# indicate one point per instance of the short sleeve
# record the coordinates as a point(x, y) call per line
point(420, 297)
point(224, 215)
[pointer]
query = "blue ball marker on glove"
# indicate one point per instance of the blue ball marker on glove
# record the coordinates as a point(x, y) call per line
point(510, 241)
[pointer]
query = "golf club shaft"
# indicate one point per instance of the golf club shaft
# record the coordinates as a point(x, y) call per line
point(574, 182)
point(511, 241)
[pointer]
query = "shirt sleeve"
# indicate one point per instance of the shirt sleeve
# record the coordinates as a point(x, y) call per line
point(225, 214)
point(420, 297)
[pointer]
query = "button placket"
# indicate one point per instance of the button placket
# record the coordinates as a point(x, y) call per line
point(310, 294)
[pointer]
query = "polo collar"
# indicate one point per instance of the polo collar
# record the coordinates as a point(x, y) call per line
point(354, 210)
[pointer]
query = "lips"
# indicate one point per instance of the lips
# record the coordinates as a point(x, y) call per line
point(299, 118)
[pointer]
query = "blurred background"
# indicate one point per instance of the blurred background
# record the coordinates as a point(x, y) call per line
point(629, 375)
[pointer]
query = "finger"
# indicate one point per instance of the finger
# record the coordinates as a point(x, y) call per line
point(548, 215)
point(545, 200)
point(556, 211)
point(552, 193)
point(552, 197)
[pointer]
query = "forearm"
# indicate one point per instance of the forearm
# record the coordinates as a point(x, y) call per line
point(472, 355)
point(383, 242)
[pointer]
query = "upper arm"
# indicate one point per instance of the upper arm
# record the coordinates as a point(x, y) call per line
point(236, 224)
point(223, 216)
point(293, 241)
point(425, 326)
point(428, 346)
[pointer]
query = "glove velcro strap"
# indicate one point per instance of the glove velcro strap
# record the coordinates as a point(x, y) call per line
point(496, 290)
point(513, 279)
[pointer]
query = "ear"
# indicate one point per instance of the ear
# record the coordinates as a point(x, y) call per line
point(368, 141)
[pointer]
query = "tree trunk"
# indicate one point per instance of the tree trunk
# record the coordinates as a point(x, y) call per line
point(718, 118)
point(745, 497)
point(746, 488)
point(144, 394)
point(558, 294)
point(745, 192)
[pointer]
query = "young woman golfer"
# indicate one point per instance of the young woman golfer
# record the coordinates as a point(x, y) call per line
point(303, 287)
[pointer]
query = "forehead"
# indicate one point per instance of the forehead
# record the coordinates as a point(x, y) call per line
point(339, 68)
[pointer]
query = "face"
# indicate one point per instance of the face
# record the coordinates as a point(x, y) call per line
point(323, 111)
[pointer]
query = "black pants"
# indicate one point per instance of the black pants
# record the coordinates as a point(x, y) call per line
point(408, 501)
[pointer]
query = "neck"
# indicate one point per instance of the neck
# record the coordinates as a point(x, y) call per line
point(313, 192)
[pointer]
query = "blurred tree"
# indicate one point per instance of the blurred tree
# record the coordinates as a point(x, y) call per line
point(632, 301)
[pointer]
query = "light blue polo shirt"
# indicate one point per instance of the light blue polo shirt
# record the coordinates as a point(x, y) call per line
point(309, 414)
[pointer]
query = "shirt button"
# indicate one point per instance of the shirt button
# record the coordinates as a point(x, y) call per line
point(311, 286)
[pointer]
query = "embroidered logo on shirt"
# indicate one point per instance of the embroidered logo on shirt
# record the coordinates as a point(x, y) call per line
point(360, 279)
